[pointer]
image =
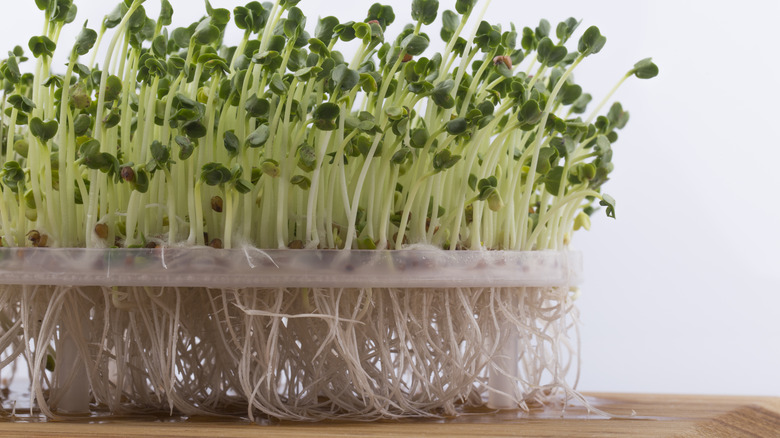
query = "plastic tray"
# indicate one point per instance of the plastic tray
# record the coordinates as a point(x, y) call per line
point(251, 267)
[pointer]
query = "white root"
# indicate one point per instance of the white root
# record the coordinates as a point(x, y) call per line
point(295, 354)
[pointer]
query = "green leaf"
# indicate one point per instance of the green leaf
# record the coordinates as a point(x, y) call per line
point(307, 158)
point(441, 94)
point(231, 143)
point(102, 161)
point(581, 104)
point(450, 23)
point(325, 29)
point(301, 181)
point(645, 69)
point(215, 174)
point(21, 103)
point(278, 85)
point(270, 167)
point(206, 33)
point(195, 129)
point(543, 30)
point(325, 116)
point(187, 147)
point(258, 137)
point(414, 44)
point(317, 46)
point(13, 176)
point(381, 13)
point(609, 202)
point(82, 123)
point(529, 115)
point(257, 107)
point(141, 183)
point(113, 88)
point(160, 153)
point(85, 40)
point(41, 46)
point(166, 13)
point(160, 46)
point(591, 41)
point(464, 6)
point(45, 131)
point(181, 36)
point(444, 159)
point(344, 77)
point(457, 126)
point(550, 54)
point(547, 157)
point(418, 137)
point(395, 112)
point(242, 186)
point(570, 93)
point(425, 10)
point(552, 180)
point(327, 110)
point(401, 155)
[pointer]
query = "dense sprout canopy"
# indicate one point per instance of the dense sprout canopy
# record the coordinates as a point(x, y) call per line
point(178, 137)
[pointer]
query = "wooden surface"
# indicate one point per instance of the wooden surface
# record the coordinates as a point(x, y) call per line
point(646, 416)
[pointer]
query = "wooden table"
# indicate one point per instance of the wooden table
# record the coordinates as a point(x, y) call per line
point(645, 416)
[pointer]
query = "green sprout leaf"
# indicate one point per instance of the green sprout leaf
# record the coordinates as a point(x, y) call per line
point(45, 131)
point(215, 174)
point(21, 103)
point(591, 41)
point(271, 168)
point(344, 77)
point(550, 54)
point(301, 181)
point(529, 115)
point(325, 116)
point(645, 69)
point(307, 158)
point(231, 143)
point(425, 11)
point(187, 147)
point(41, 46)
point(85, 40)
point(609, 202)
point(13, 176)
point(415, 44)
point(457, 126)
point(258, 137)
point(444, 160)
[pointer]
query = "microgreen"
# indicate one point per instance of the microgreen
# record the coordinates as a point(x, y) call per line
point(296, 142)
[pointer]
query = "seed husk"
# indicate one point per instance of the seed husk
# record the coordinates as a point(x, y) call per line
point(216, 204)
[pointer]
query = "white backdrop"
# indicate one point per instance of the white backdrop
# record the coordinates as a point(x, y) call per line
point(682, 291)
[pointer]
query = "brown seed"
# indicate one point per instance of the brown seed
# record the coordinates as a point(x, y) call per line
point(216, 204)
point(373, 22)
point(296, 244)
point(34, 236)
point(37, 239)
point(151, 245)
point(216, 243)
point(127, 173)
point(507, 61)
point(101, 230)
point(407, 58)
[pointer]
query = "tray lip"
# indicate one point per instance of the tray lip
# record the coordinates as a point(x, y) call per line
point(250, 267)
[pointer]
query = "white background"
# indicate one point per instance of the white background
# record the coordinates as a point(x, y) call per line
point(682, 291)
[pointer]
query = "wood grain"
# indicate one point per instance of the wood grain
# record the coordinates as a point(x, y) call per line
point(641, 415)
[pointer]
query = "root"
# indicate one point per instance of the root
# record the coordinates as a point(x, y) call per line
point(291, 353)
